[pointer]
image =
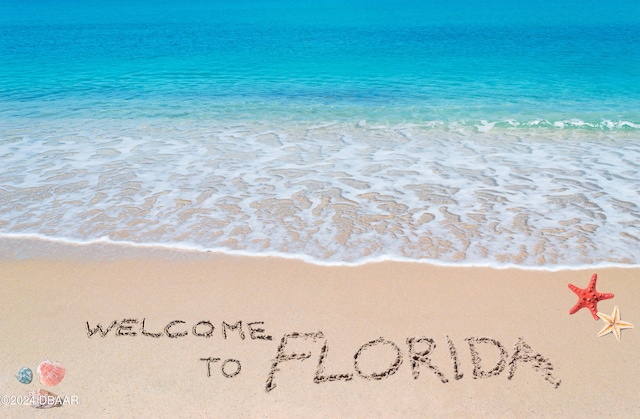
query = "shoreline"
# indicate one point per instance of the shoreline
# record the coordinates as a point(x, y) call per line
point(34, 245)
point(381, 338)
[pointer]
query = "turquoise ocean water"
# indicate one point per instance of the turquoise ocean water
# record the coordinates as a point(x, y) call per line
point(466, 132)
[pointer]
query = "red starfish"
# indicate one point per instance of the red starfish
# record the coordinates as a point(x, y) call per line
point(588, 297)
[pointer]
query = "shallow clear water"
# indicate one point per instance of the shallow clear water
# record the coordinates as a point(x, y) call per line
point(474, 132)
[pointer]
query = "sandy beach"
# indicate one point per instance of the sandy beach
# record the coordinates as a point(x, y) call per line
point(160, 333)
point(319, 209)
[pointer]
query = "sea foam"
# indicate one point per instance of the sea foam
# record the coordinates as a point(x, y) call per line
point(331, 192)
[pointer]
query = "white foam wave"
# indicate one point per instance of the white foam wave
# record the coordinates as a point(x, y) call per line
point(332, 192)
point(572, 123)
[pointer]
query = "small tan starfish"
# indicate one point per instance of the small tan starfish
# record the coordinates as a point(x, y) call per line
point(614, 324)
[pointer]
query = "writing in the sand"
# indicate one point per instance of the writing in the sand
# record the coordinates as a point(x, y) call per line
point(177, 329)
point(418, 351)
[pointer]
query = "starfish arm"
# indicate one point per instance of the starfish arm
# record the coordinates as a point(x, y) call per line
point(624, 325)
point(605, 330)
point(575, 308)
point(594, 313)
point(605, 296)
point(616, 331)
point(574, 289)
point(616, 314)
point(592, 283)
point(605, 318)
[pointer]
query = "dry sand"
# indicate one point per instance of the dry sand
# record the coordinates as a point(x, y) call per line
point(354, 355)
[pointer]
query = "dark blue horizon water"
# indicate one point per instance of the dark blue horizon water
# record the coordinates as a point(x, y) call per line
point(406, 60)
